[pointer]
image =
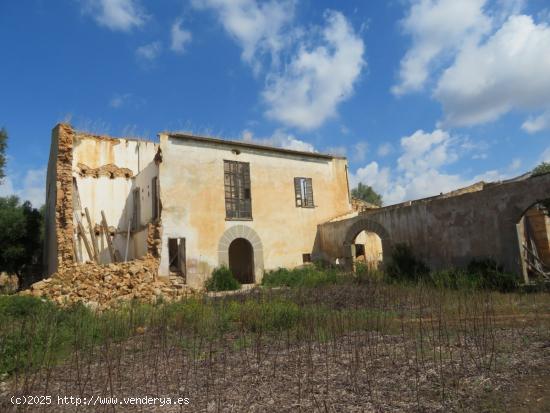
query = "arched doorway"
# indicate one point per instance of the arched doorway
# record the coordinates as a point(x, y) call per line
point(368, 249)
point(241, 260)
point(368, 238)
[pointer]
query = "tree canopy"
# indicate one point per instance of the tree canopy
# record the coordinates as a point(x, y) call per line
point(543, 168)
point(366, 193)
point(3, 145)
point(20, 236)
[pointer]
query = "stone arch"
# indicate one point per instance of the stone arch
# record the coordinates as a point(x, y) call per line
point(365, 224)
point(242, 231)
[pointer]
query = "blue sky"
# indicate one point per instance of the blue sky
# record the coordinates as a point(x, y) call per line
point(422, 96)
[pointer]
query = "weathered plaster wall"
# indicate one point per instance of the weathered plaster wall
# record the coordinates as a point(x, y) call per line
point(106, 169)
point(193, 203)
point(448, 231)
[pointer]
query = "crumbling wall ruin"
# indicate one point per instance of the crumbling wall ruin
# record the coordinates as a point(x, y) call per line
point(99, 286)
point(64, 196)
point(447, 230)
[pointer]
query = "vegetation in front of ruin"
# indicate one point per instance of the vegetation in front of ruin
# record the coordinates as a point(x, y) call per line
point(366, 193)
point(541, 169)
point(307, 276)
point(324, 338)
point(222, 279)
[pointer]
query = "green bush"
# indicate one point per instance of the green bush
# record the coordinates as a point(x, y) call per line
point(222, 280)
point(404, 266)
point(491, 275)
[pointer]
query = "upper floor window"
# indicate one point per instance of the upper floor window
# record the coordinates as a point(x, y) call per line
point(238, 203)
point(303, 189)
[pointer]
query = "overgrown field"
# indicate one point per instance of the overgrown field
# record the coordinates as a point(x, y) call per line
point(324, 341)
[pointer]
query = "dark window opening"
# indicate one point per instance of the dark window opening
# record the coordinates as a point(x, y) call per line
point(359, 250)
point(303, 190)
point(135, 209)
point(306, 258)
point(176, 255)
point(155, 198)
point(238, 203)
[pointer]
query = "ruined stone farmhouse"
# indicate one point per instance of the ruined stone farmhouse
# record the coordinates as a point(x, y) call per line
point(213, 202)
point(195, 203)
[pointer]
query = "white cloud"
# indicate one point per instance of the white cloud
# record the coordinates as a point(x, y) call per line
point(121, 15)
point(437, 28)
point(545, 157)
point(421, 168)
point(30, 187)
point(486, 57)
point(257, 27)
point(515, 164)
point(360, 151)
point(280, 139)
point(509, 71)
point(322, 63)
point(316, 80)
point(180, 37)
point(149, 51)
point(384, 149)
point(538, 123)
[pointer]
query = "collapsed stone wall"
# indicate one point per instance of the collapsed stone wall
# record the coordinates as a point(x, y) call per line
point(64, 196)
point(99, 286)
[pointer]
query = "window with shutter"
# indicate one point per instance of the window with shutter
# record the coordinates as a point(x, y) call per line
point(303, 190)
point(238, 202)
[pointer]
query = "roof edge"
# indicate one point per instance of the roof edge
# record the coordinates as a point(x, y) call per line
point(219, 141)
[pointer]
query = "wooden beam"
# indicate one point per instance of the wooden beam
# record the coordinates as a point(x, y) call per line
point(92, 236)
point(108, 237)
point(82, 234)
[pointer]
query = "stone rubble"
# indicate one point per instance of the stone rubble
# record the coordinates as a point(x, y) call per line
point(105, 286)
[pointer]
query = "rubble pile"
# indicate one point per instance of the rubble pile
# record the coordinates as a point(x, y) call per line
point(104, 286)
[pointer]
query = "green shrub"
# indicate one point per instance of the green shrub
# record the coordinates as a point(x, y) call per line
point(491, 275)
point(404, 266)
point(222, 280)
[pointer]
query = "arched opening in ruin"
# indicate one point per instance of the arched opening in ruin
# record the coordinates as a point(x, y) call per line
point(366, 241)
point(368, 249)
point(533, 231)
point(241, 260)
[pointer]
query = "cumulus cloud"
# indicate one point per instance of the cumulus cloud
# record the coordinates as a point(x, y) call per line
point(180, 37)
point(486, 58)
point(122, 15)
point(537, 123)
point(149, 51)
point(384, 149)
point(509, 71)
point(29, 187)
point(321, 64)
point(280, 139)
point(257, 27)
point(437, 28)
point(316, 80)
point(421, 168)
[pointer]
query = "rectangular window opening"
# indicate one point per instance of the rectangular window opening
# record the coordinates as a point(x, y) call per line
point(176, 255)
point(238, 200)
point(303, 191)
point(306, 258)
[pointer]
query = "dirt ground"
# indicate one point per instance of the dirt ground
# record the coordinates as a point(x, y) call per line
point(359, 372)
